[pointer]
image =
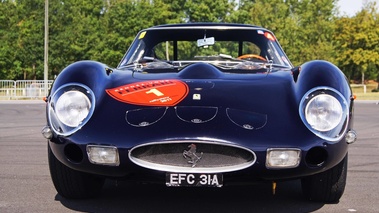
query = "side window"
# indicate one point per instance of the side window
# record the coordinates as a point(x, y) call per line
point(163, 50)
point(251, 48)
point(187, 50)
point(136, 52)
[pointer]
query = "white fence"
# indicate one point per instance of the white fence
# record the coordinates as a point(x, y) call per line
point(360, 85)
point(23, 89)
point(35, 89)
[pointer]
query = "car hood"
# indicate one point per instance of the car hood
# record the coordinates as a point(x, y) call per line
point(185, 105)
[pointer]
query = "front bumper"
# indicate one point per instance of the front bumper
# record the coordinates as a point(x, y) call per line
point(317, 156)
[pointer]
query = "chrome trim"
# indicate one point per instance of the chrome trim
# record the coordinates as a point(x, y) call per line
point(189, 169)
point(53, 100)
point(204, 27)
point(345, 108)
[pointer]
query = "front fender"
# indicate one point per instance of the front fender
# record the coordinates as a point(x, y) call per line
point(322, 73)
point(93, 74)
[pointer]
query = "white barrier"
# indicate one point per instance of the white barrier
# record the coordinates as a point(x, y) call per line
point(360, 85)
point(7, 88)
point(24, 89)
point(35, 89)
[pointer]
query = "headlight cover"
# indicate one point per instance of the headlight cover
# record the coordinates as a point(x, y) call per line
point(70, 108)
point(324, 111)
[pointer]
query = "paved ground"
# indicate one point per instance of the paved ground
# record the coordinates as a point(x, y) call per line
point(25, 184)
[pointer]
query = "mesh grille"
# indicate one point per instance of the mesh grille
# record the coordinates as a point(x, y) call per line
point(176, 156)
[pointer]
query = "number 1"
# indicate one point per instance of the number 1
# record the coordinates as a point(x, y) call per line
point(155, 91)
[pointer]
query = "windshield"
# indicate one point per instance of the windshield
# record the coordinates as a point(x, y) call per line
point(165, 47)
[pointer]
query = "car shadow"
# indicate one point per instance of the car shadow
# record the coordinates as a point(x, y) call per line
point(127, 197)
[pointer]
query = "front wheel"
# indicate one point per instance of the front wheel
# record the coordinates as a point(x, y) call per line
point(327, 186)
point(73, 184)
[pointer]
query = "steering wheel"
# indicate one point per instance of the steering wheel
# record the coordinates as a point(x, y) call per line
point(252, 56)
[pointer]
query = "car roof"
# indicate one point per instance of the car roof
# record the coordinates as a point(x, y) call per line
point(206, 25)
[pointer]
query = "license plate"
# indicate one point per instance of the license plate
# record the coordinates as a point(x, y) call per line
point(184, 179)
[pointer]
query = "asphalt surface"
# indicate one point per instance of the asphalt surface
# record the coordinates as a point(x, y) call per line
point(25, 184)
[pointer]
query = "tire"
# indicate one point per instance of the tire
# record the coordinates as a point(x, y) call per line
point(328, 186)
point(73, 184)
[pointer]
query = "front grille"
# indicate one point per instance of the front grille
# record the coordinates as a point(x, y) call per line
point(192, 156)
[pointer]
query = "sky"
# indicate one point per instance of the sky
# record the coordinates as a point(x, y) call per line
point(351, 7)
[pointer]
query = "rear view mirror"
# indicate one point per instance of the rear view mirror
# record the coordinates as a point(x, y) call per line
point(205, 41)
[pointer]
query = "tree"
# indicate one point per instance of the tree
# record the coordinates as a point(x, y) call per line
point(102, 30)
point(122, 20)
point(304, 28)
point(30, 41)
point(241, 13)
point(207, 10)
point(22, 35)
point(8, 21)
point(357, 43)
point(75, 29)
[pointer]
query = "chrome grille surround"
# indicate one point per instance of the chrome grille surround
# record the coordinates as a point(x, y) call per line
point(216, 157)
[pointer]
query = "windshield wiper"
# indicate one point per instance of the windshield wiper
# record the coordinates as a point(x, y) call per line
point(225, 56)
point(151, 63)
point(147, 59)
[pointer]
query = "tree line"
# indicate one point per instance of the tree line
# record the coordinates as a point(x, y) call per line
point(102, 30)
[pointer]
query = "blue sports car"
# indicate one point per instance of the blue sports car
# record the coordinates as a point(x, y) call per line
point(203, 105)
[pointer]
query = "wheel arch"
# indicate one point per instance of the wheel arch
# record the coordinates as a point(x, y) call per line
point(322, 73)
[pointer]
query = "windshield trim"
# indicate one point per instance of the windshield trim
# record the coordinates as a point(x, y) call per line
point(138, 41)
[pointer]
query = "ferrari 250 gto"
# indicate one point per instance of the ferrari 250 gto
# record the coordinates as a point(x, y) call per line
point(203, 105)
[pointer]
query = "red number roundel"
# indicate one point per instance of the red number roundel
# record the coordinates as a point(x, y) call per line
point(151, 93)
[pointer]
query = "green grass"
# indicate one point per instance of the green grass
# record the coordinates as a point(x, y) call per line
point(358, 91)
point(367, 96)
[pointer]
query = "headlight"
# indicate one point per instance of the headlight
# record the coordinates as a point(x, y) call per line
point(324, 111)
point(70, 107)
